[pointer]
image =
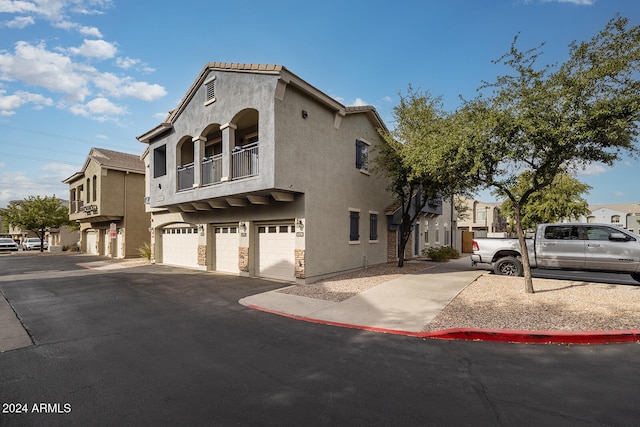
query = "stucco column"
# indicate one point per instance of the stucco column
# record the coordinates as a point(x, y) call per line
point(228, 142)
point(198, 154)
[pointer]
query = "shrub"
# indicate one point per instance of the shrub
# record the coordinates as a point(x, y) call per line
point(145, 251)
point(441, 253)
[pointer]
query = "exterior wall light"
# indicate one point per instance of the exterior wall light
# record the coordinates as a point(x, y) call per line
point(201, 229)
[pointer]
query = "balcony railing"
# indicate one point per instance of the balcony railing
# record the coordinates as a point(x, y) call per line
point(76, 206)
point(212, 169)
point(185, 177)
point(245, 161)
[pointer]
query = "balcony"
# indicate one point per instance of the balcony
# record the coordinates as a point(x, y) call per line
point(76, 206)
point(185, 177)
point(212, 170)
point(245, 161)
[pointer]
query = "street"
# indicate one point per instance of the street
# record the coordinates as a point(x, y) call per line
point(156, 345)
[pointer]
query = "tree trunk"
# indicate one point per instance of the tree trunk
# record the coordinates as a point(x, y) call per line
point(526, 265)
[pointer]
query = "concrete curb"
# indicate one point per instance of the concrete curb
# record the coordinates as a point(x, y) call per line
point(489, 335)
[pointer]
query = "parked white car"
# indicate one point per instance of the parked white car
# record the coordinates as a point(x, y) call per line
point(7, 244)
point(33, 243)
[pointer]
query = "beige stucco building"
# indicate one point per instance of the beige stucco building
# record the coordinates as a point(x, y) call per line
point(107, 199)
point(258, 173)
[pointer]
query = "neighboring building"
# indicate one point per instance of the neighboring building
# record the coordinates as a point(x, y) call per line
point(433, 227)
point(107, 199)
point(257, 173)
point(483, 218)
point(621, 215)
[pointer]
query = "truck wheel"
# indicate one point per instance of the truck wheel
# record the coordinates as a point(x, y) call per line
point(635, 276)
point(508, 266)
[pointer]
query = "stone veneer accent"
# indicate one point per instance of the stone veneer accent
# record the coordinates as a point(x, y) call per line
point(243, 259)
point(392, 246)
point(202, 255)
point(299, 264)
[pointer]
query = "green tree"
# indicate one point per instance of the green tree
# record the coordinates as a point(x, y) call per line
point(36, 214)
point(561, 200)
point(552, 119)
point(421, 126)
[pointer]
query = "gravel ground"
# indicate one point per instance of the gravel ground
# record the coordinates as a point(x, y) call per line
point(500, 302)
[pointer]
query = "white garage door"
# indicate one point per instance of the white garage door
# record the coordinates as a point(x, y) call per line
point(276, 251)
point(92, 242)
point(227, 241)
point(180, 246)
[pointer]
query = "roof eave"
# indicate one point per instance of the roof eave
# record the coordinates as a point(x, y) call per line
point(157, 131)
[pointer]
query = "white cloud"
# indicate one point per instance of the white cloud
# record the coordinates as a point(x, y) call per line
point(100, 109)
point(592, 169)
point(90, 31)
point(60, 169)
point(17, 6)
point(9, 103)
point(95, 49)
point(18, 22)
point(387, 99)
point(37, 66)
point(359, 103)
point(68, 70)
point(576, 2)
point(103, 137)
point(618, 193)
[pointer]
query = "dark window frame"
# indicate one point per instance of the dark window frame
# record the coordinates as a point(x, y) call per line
point(160, 161)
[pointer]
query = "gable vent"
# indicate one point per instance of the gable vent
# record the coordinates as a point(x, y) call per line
point(211, 90)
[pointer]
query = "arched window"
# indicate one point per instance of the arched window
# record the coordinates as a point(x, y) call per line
point(615, 219)
point(95, 188)
point(88, 190)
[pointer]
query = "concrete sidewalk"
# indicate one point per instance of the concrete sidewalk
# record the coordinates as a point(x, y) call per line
point(12, 334)
point(403, 305)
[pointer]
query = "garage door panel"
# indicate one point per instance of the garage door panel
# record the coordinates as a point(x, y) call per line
point(276, 251)
point(180, 246)
point(92, 242)
point(227, 241)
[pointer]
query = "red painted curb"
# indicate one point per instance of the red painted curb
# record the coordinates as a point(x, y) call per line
point(491, 335)
point(536, 337)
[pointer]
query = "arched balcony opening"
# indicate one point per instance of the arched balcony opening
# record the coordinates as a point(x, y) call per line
point(245, 160)
point(185, 163)
point(212, 160)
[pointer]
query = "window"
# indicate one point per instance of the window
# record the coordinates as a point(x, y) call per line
point(88, 190)
point(95, 188)
point(160, 161)
point(615, 219)
point(362, 155)
point(373, 226)
point(481, 215)
point(600, 233)
point(561, 232)
point(354, 226)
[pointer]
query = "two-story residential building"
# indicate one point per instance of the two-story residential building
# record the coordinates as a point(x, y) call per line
point(258, 173)
point(625, 215)
point(107, 199)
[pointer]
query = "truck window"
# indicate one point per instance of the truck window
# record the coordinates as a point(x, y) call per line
point(561, 232)
point(600, 233)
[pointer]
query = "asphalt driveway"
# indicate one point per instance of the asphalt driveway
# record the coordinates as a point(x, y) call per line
point(156, 345)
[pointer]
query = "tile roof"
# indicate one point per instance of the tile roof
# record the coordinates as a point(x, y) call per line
point(117, 160)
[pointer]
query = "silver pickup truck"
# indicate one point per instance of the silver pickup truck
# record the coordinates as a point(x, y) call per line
point(569, 246)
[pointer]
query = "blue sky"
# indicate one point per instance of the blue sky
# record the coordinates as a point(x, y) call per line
point(76, 74)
